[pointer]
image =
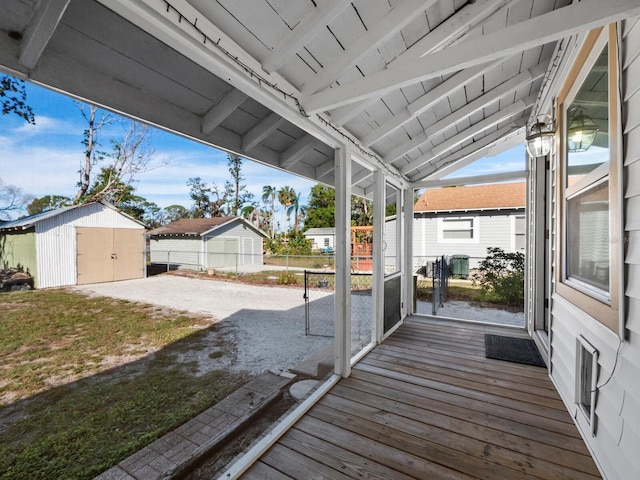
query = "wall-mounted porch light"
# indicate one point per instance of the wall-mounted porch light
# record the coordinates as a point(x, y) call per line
point(581, 132)
point(540, 137)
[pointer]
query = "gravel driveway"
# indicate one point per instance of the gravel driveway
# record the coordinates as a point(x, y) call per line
point(262, 326)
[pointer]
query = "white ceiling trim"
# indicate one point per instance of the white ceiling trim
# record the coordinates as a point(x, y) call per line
point(40, 30)
point(261, 131)
point(297, 151)
point(307, 29)
point(394, 20)
point(475, 180)
point(469, 154)
point(535, 32)
point(451, 31)
point(493, 95)
point(222, 110)
point(468, 133)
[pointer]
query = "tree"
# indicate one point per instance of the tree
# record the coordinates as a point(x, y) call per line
point(208, 201)
point(298, 211)
point(321, 209)
point(175, 212)
point(286, 196)
point(90, 142)
point(361, 211)
point(13, 98)
point(269, 194)
point(48, 202)
point(240, 194)
point(12, 198)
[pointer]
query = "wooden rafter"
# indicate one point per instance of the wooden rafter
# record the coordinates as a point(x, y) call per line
point(222, 110)
point(40, 30)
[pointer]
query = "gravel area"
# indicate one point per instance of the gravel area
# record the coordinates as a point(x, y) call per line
point(262, 328)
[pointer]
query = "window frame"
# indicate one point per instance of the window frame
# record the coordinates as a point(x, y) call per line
point(475, 229)
point(604, 309)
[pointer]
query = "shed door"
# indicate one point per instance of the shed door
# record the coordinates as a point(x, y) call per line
point(108, 254)
point(222, 252)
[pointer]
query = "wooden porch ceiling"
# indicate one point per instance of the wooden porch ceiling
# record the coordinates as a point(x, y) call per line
point(428, 404)
point(417, 87)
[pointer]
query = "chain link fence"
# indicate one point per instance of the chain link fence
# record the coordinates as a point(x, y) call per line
point(319, 296)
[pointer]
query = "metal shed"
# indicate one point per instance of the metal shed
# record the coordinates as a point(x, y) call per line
point(75, 245)
point(197, 243)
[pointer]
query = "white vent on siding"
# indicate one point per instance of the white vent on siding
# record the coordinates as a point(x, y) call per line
point(586, 381)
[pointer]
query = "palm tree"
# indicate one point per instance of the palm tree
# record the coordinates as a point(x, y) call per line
point(269, 194)
point(299, 212)
point(286, 197)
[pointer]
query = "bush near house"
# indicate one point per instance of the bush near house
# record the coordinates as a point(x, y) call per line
point(501, 276)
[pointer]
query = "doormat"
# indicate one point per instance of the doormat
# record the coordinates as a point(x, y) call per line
point(510, 349)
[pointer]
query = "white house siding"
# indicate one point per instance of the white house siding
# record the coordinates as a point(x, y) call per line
point(56, 241)
point(184, 252)
point(493, 231)
point(617, 440)
point(249, 241)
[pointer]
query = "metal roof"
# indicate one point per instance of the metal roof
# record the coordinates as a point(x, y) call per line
point(417, 88)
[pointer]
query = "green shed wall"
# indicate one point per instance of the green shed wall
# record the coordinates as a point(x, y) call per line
point(19, 250)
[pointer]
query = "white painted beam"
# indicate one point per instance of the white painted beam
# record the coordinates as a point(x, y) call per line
point(468, 154)
point(261, 131)
point(325, 169)
point(474, 180)
point(396, 19)
point(407, 255)
point(40, 31)
point(377, 322)
point(450, 31)
point(418, 106)
point(306, 30)
point(466, 134)
point(493, 95)
point(297, 151)
point(552, 26)
point(222, 110)
point(342, 306)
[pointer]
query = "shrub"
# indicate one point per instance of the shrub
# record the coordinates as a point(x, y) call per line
point(501, 277)
point(286, 278)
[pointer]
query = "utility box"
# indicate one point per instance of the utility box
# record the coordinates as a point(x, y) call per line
point(459, 266)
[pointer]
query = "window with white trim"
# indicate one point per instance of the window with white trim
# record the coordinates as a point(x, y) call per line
point(589, 157)
point(519, 233)
point(458, 230)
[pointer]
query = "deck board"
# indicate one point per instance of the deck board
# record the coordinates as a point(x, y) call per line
point(428, 404)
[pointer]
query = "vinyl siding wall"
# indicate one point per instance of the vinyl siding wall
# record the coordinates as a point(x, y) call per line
point(617, 441)
point(56, 241)
point(183, 252)
point(249, 241)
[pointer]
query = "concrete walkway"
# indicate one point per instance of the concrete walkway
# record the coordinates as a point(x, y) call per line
point(174, 454)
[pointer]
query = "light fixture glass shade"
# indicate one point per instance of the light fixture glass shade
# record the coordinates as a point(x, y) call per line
point(581, 133)
point(540, 139)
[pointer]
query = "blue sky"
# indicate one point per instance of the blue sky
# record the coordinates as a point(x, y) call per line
point(44, 159)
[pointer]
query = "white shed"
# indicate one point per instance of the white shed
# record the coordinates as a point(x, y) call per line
point(196, 243)
point(322, 238)
point(75, 245)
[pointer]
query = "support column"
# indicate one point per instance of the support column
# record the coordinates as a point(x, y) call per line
point(377, 326)
point(342, 309)
point(407, 251)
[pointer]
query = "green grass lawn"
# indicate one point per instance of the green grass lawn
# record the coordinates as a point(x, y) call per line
point(86, 382)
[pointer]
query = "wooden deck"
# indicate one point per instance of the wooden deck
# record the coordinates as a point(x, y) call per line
point(427, 404)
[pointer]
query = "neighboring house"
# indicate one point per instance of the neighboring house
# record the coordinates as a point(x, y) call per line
point(196, 243)
point(466, 220)
point(75, 245)
point(322, 238)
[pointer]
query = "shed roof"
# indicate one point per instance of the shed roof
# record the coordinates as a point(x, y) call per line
point(199, 226)
point(321, 231)
point(28, 222)
point(474, 197)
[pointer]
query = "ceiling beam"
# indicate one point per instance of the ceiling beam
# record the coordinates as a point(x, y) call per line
point(493, 95)
point(396, 19)
point(222, 110)
point(304, 32)
point(472, 152)
point(475, 180)
point(418, 106)
point(40, 31)
point(450, 31)
point(519, 37)
point(468, 133)
point(261, 131)
point(297, 151)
